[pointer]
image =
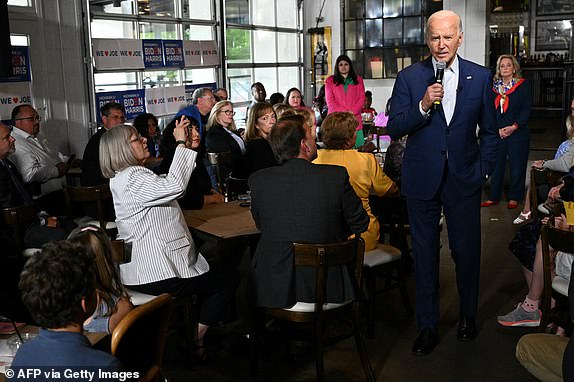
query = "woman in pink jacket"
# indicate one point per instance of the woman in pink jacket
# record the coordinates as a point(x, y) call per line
point(345, 91)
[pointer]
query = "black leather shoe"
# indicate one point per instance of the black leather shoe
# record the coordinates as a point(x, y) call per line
point(426, 342)
point(466, 329)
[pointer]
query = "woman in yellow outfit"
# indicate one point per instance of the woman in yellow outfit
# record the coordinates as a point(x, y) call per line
point(365, 174)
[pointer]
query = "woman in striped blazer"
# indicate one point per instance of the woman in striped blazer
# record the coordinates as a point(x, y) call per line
point(165, 259)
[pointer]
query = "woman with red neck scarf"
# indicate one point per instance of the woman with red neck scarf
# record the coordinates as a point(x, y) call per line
point(512, 104)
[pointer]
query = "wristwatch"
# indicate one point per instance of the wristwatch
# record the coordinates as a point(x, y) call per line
point(180, 142)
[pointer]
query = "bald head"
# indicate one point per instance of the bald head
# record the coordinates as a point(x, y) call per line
point(6, 141)
point(444, 35)
point(444, 16)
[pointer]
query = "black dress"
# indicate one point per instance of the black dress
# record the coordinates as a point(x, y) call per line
point(258, 155)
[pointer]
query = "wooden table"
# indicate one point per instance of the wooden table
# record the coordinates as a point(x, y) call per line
point(223, 220)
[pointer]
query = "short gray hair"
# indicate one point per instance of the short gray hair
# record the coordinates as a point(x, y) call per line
point(444, 12)
point(115, 150)
point(198, 93)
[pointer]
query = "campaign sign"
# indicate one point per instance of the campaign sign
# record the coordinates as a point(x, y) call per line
point(155, 101)
point(13, 94)
point(174, 99)
point(173, 53)
point(192, 52)
point(20, 66)
point(209, 53)
point(117, 53)
point(189, 89)
point(133, 101)
point(153, 53)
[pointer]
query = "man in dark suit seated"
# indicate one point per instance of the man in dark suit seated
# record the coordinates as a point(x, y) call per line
point(299, 202)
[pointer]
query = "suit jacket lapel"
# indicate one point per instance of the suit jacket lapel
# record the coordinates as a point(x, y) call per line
point(464, 80)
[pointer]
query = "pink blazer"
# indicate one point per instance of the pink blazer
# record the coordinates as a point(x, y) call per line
point(352, 100)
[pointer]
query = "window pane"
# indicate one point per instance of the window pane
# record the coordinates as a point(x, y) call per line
point(199, 76)
point(19, 40)
point(198, 32)
point(393, 32)
point(392, 8)
point(158, 31)
point(156, 8)
point(264, 46)
point(412, 7)
point(374, 8)
point(107, 82)
point(238, 45)
point(268, 77)
point(287, 13)
point(112, 29)
point(374, 63)
point(236, 11)
point(263, 12)
point(354, 9)
point(354, 34)
point(391, 64)
point(19, 3)
point(239, 84)
point(288, 78)
point(161, 78)
point(287, 43)
point(357, 57)
point(413, 31)
point(126, 7)
point(197, 9)
point(374, 35)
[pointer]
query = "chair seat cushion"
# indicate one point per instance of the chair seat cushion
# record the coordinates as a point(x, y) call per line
point(383, 254)
point(139, 298)
point(560, 285)
point(310, 307)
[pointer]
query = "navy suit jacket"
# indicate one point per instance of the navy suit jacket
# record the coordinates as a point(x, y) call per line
point(431, 141)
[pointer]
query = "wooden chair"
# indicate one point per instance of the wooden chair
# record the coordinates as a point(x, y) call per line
point(97, 195)
point(558, 240)
point(384, 261)
point(17, 219)
point(139, 338)
point(320, 257)
point(539, 177)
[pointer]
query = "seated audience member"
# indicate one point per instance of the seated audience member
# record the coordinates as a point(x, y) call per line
point(368, 108)
point(59, 288)
point(203, 99)
point(112, 114)
point(320, 106)
point(258, 94)
point(299, 202)
point(258, 153)
point(146, 125)
point(37, 162)
point(162, 260)
point(220, 94)
point(222, 136)
point(199, 192)
point(365, 174)
point(281, 109)
point(294, 98)
point(276, 98)
point(114, 302)
point(13, 193)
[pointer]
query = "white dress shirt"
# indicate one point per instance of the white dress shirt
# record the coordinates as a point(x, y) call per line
point(149, 217)
point(450, 85)
point(36, 162)
point(237, 139)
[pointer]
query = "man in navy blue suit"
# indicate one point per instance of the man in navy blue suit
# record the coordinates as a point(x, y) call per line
point(446, 161)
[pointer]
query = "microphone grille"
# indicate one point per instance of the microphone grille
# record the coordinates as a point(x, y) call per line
point(441, 65)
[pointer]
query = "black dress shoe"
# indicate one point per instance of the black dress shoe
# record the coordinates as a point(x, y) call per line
point(466, 329)
point(426, 342)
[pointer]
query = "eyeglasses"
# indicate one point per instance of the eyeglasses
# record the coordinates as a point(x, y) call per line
point(33, 118)
point(228, 112)
point(137, 139)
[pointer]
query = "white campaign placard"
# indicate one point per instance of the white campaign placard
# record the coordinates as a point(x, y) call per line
point(155, 101)
point(13, 94)
point(191, 53)
point(117, 53)
point(174, 98)
point(209, 53)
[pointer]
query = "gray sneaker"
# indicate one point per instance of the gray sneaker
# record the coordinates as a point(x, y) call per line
point(520, 317)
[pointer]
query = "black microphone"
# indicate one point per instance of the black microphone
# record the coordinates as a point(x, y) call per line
point(440, 67)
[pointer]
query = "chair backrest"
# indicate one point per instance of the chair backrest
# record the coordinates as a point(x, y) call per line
point(347, 253)
point(220, 161)
point(558, 240)
point(17, 218)
point(88, 194)
point(139, 338)
point(540, 177)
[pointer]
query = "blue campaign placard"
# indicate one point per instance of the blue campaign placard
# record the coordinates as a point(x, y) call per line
point(20, 66)
point(153, 53)
point(173, 53)
point(133, 101)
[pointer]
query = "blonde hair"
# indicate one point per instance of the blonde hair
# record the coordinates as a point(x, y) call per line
point(281, 109)
point(213, 117)
point(115, 150)
point(516, 72)
point(338, 130)
point(308, 115)
point(258, 110)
